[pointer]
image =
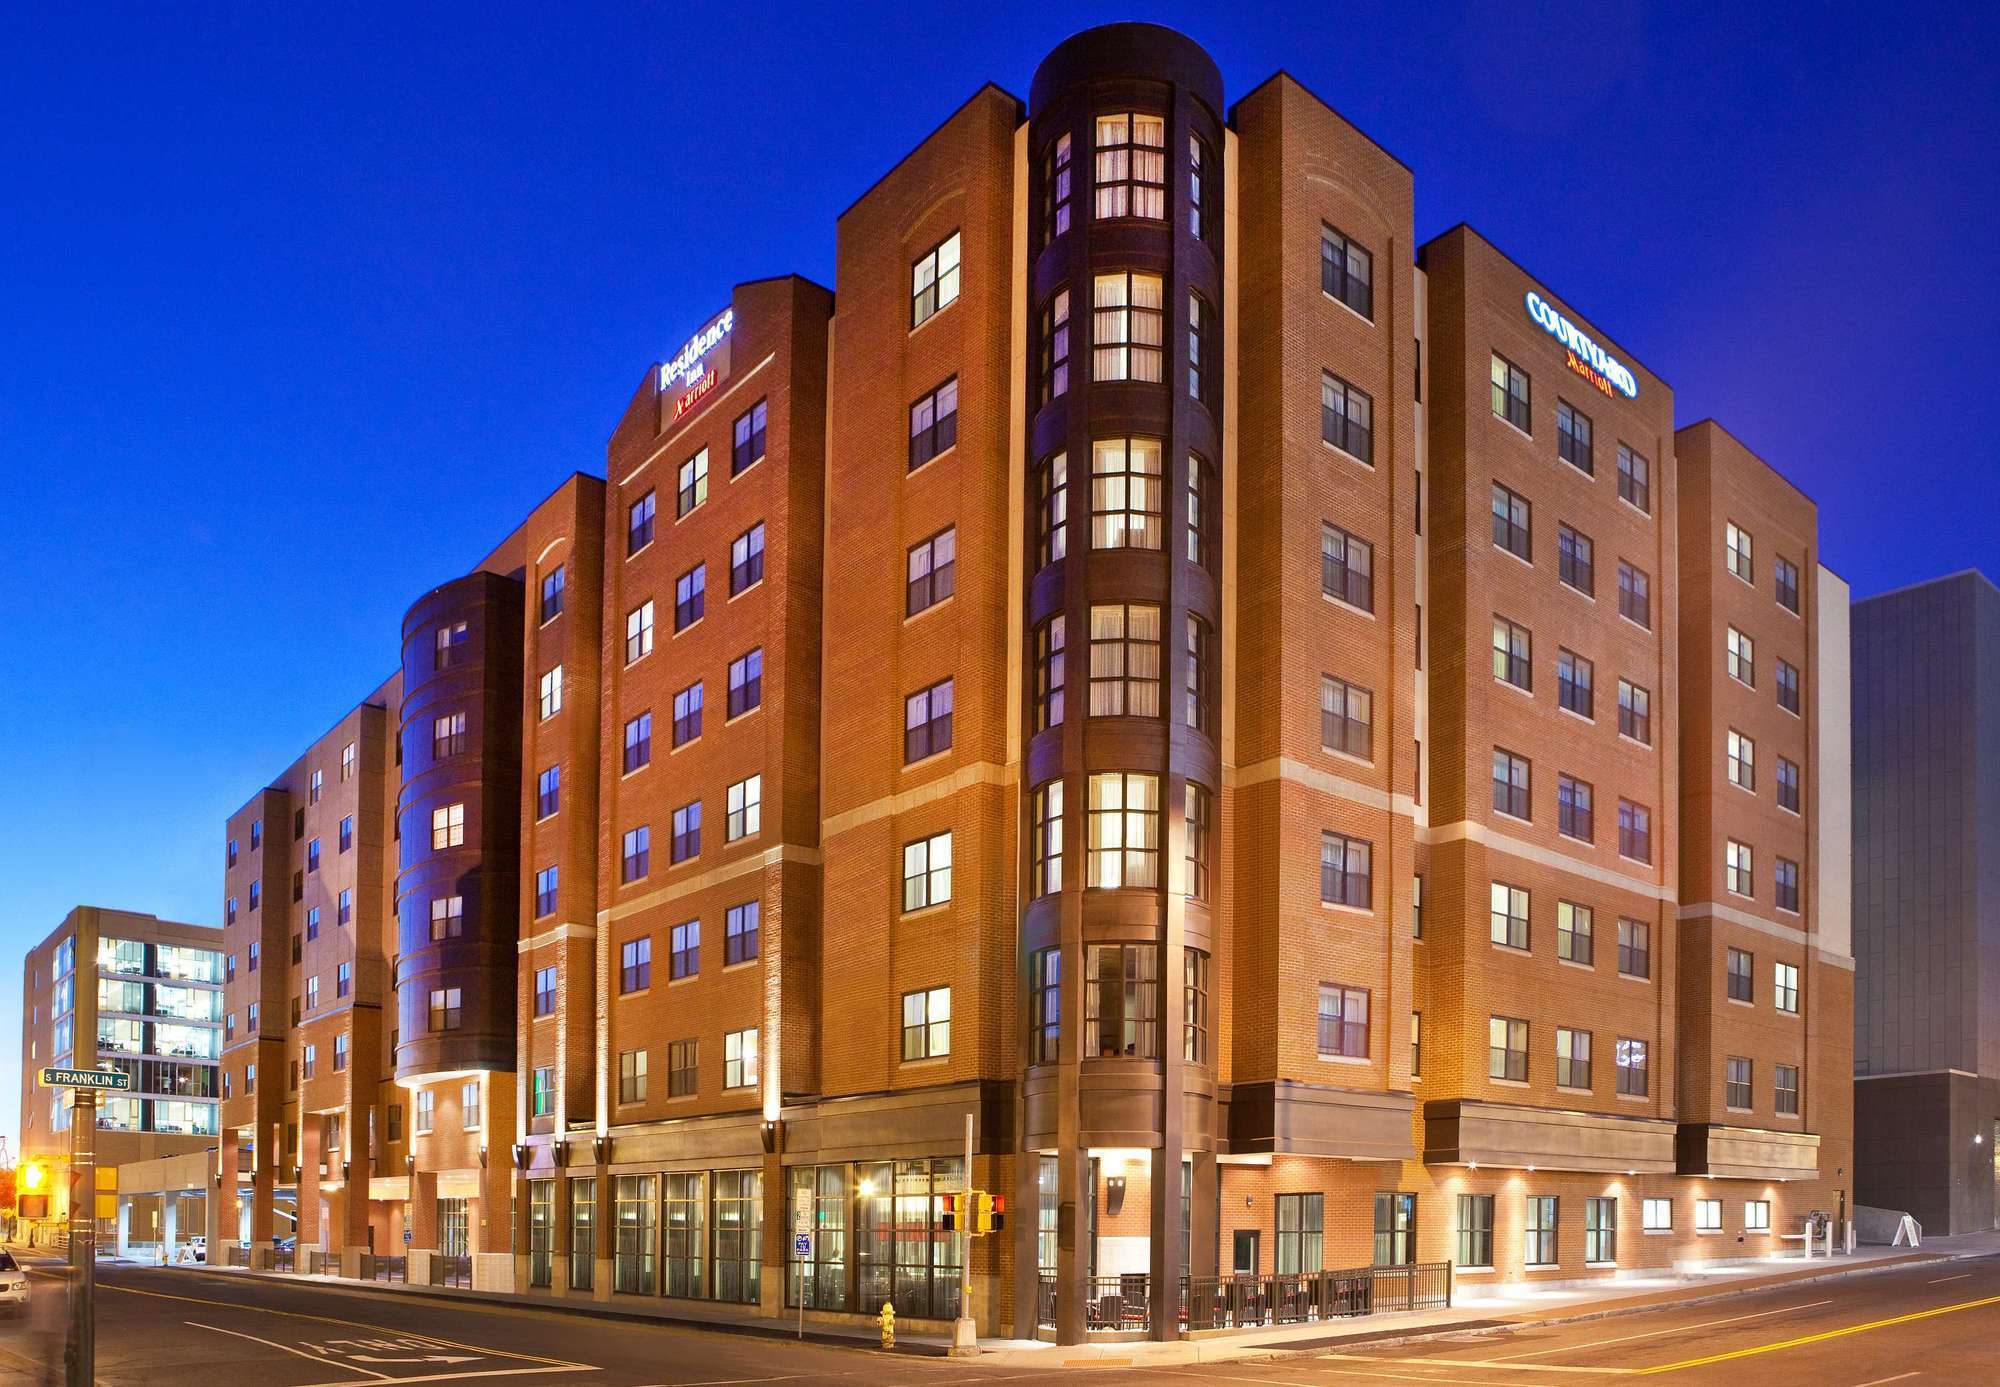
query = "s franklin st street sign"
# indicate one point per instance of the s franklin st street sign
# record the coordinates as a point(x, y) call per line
point(107, 1079)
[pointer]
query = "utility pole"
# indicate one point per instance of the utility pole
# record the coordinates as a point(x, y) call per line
point(81, 1357)
point(965, 1331)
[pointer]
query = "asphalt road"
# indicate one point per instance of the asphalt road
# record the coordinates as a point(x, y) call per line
point(1933, 1324)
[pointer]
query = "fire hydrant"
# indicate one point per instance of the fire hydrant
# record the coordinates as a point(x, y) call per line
point(888, 1325)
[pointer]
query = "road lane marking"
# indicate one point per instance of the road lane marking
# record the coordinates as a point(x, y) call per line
point(1897, 1378)
point(282, 1348)
point(1824, 1336)
point(1484, 1363)
point(1939, 1282)
point(1655, 1333)
point(453, 1377)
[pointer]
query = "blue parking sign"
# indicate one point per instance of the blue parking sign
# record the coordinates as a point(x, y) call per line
point(802, 1245)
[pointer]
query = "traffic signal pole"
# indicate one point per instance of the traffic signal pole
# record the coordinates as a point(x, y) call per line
point(81, 1355)
point(965, 1331)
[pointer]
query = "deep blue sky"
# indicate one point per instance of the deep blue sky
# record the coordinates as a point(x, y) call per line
point(302, 307)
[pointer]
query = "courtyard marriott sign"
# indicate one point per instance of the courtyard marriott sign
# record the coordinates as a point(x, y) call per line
point(1586, 358)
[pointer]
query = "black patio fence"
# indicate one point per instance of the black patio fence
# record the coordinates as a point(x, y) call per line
point(1123, 1303)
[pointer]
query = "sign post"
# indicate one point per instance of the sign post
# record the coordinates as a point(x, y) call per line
point(802, 1249)
point(964, 1330)
point(80, 1356)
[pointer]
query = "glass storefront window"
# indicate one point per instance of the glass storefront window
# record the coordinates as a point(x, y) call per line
point(582, 1234)
point(187, 964)
point(686, 1196)
point(739, 1230)
point(636, 1215)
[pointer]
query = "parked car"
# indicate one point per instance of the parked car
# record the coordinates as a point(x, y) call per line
point(13, 1284)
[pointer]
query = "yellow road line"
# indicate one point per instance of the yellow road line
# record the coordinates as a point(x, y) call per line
point(1822, 1337)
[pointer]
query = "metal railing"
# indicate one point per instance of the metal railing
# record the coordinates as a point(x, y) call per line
point(1122, 1303)
point(284, 1258)
point(455, 1270)
point(1415, 1286)
point(378, 1267)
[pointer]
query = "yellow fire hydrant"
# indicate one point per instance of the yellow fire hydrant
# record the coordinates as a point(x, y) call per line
point(888, 1325)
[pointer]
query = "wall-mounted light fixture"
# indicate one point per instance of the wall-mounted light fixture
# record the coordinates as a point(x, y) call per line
point(1114, 1196)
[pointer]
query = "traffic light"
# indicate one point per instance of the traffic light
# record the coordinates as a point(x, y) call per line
point(992, 1216)
point(948, 1220)
point(33, 1177)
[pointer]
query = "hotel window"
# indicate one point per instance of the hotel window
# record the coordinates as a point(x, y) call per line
point(686, 841)
point(343, 979)
point(1739, 967)
point(1635, 712)
point(1634, 479)
point(1049, 673)
point(1788, 687)
point(1056, 187)
point(632, 1076)
point(1345, 871)
point(1346, 272)
point(1785, 884)
point(346, 833)
point(347, 762)
point(312, 855)
point(314, 786)
point(1416, 907)
point(1346, 718)
point(1046, 847)
point(934, 280)
point(1045, 1006)
point(1742, 760)
point(683, 1068)
point(468, 1105)
point(552, 594)
point(1635, 831)
point(1787, 1090)
point(1512, 523)
point(1346, 568)
point(636, 859)
point(1200, 657)
point(1736, 1083)
point(635, 965)
point(1788, 785)
point(426, 1109)
point(1539, 1231)
point(927, 872)
point(927, 722)
point(638, 742)
point(748, 438)
point(1513, 654)
point(1121, 1000)
point(448, 826)
point(1125, 494)
point(1198, 187)
point(740, 927)
point(1708, 1216)
point(1475, 1230)
point(639, 632)
point(1507, 913)
point(746, 682)
point(1300, 1221)
point(1575, 684)
point(1052, 347)
point(1125, 660)
point(1756, 1215)
point(309, 1059)
point(545, 892)
point(229, 911)
point(1736, 552)
point(1785, 987)
point(1200, 511)
point(1786, 575)
point(687, 714)
point(1510, 784)
point(744, 815)
point(256, 893)
point(1635, 599)
point(551, 693)
point(1510, 393)
point(1200, 817)
point(257, 831)
point(684, 950)
point(1573, 560)
point(1575, 933)
point(690, 597)
point(548, 792)
point(1201, 351)
point(746, 559)
point(739, 1058)
point(1124, 831)
point(1600, 1230)
point(298, 886)
point(339, 1055)
point(932, 570)
point(1742, 658)
point(450, 639)
point(542, 1102)
point(229, 857)
point(934, 423)
point(1343, 1021)
point(1635, 949)
point(1194, 1010)
point(639, 524)
point(1573, 437)
point(545, 991)
point(927, 1023)
point(1127, 327)
point(1416, 1045)
point(447, 917)
point(1656, 1215)
point(1346, 418)
point(447, 1004)
point(1052, 509)
point(1738, 868)
point(1507, 1049)
point(1131, 166)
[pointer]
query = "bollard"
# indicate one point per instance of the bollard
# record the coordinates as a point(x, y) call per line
point(888, 1318)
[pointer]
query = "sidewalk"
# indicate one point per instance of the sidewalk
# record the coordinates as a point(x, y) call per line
point(1475, 1308)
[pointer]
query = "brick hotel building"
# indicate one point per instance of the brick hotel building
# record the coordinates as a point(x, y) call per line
point(1274, 721)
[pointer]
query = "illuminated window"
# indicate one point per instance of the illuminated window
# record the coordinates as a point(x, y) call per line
point(746, 559)
point(1572, 1058)
point(552, 693)
point(1737, 552)
point(639, 631)
point(1507, 1049)
point(934, 423)
point(745, 814)
point(1057, 176)
point(1127, 331)
point(1049, 673)
point(739, 1059)
point(1343, 1021)
point(927, 1023)
point(1053, 348)
point(1123, 848)
point(1741, 759)
point(448, 826)
point(1131, 172)
point(447, 917)
point(1742, 658)
point(1738, 863)
point(1573, 434)
point(1346, 271)
point(446, 1009)
point(934, 279)
point(1124, 660)
point(1346, 568)
point(1510, 393)
point(1052, 509)
point(927, 722)
point(1513, 654)
point(932, 572)
point(1507, 922)
point(927, 872)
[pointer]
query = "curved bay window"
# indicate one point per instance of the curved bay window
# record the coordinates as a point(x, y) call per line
point(1052, 509)
point(1049, 673)
point(1203, 376)
point(1052, 370)
point(1124, 831)
point(1124, 660)
point(1200, 825)
point(1194, 1027)
point(1127, 327)
point(1122, 1001)
point(1125, 494)
point(1057, 173)
point(1131, 171)
point(1047, 850)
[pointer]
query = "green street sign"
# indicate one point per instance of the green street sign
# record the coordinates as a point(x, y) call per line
point(86, 1078)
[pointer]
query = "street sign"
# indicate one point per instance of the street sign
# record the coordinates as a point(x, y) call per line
point(86, 1078)
point(802, 1245)
point(802, 1220)
point(406, 1237)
